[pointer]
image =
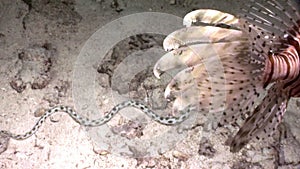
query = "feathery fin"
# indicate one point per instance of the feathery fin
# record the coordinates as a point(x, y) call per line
point(263, 121)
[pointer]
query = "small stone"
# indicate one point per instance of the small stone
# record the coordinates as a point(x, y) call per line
point(151, 163)
point(39, 112)
point(101, 152)
point(4, 140)
point(298, 103)
point(172, 2)
point(206, 148)
point(62, 88)
point(2, 39)
point(52, 99)
point(118, 5)
point(180, 155)
point(18, 85)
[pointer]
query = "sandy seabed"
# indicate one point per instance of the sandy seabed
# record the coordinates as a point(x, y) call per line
point(40, 41)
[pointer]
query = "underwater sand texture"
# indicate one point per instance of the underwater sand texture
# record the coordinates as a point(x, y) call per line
point(27, 25)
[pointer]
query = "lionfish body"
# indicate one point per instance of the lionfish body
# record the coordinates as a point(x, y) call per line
point(243, 67)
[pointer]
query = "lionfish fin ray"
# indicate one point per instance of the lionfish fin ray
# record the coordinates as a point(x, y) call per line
point(189, 56)
point(263, 121)
point(261, 40)
point(267, 22)
point(272, 16)
point(210, 17)
point(169, 61)
point(184, 79)
point(201, 34)
point(222, 79)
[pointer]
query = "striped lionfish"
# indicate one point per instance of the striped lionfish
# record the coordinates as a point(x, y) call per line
point(231, 62)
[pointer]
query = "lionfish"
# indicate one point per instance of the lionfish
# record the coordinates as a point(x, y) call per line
point(230, 63)
point(241, 67)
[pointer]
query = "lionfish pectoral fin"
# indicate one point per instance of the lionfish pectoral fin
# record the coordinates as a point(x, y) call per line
point(263, 121)
point(192, 55)
point(168, 61)
point(200, 35)
point(182, 57)
point(219, 58)
point(210, 17)
point(217, 83)
point(183, 80)
point(189, 46)
point(185, 98)
point(198, 49)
